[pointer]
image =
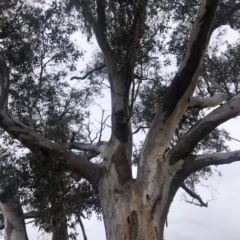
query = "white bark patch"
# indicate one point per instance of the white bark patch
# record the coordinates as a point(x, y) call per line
point(176, 167)
point(209, 101)
point(218, 156)
point(13, 220)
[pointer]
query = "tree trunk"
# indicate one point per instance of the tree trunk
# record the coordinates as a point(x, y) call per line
point(133, 211)
point(60, 229)
point(14, 225)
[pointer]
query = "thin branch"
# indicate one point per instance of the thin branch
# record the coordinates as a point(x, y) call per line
point(234, 139)
point(102, 125)
point(82, 228)
point(30, 222)
point(89, 73)
point(194, 195)
point(139, 128)
point(215, 84)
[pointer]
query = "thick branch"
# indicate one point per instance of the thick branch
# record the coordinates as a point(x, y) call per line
point(180, 91)
point(38, 144)
point(100, 33)
point(197, 162)
point(27, 215)
point(208, 102)
point(202, 128)
point(185, 78)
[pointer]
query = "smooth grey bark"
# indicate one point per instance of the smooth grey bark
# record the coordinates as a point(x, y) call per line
point(14, 225)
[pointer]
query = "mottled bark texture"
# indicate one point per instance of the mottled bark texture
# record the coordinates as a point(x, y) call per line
point(14, 225)
point(136, 209)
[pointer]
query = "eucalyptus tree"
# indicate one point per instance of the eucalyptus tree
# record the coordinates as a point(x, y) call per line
point(138, 39)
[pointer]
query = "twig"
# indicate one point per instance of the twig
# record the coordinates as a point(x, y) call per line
point(141, 127)
point(88, 73)
point(193, 195)
point(234, 139)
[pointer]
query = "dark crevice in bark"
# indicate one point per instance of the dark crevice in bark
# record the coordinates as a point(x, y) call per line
point(183, 79)
point(156, 200)
point(133, 225)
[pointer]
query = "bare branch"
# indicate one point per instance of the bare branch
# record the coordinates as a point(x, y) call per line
point(29, 108)
point(141, 127)
point(234, 139)
point(89, 73)
point(194, 195)
point(100, 33)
